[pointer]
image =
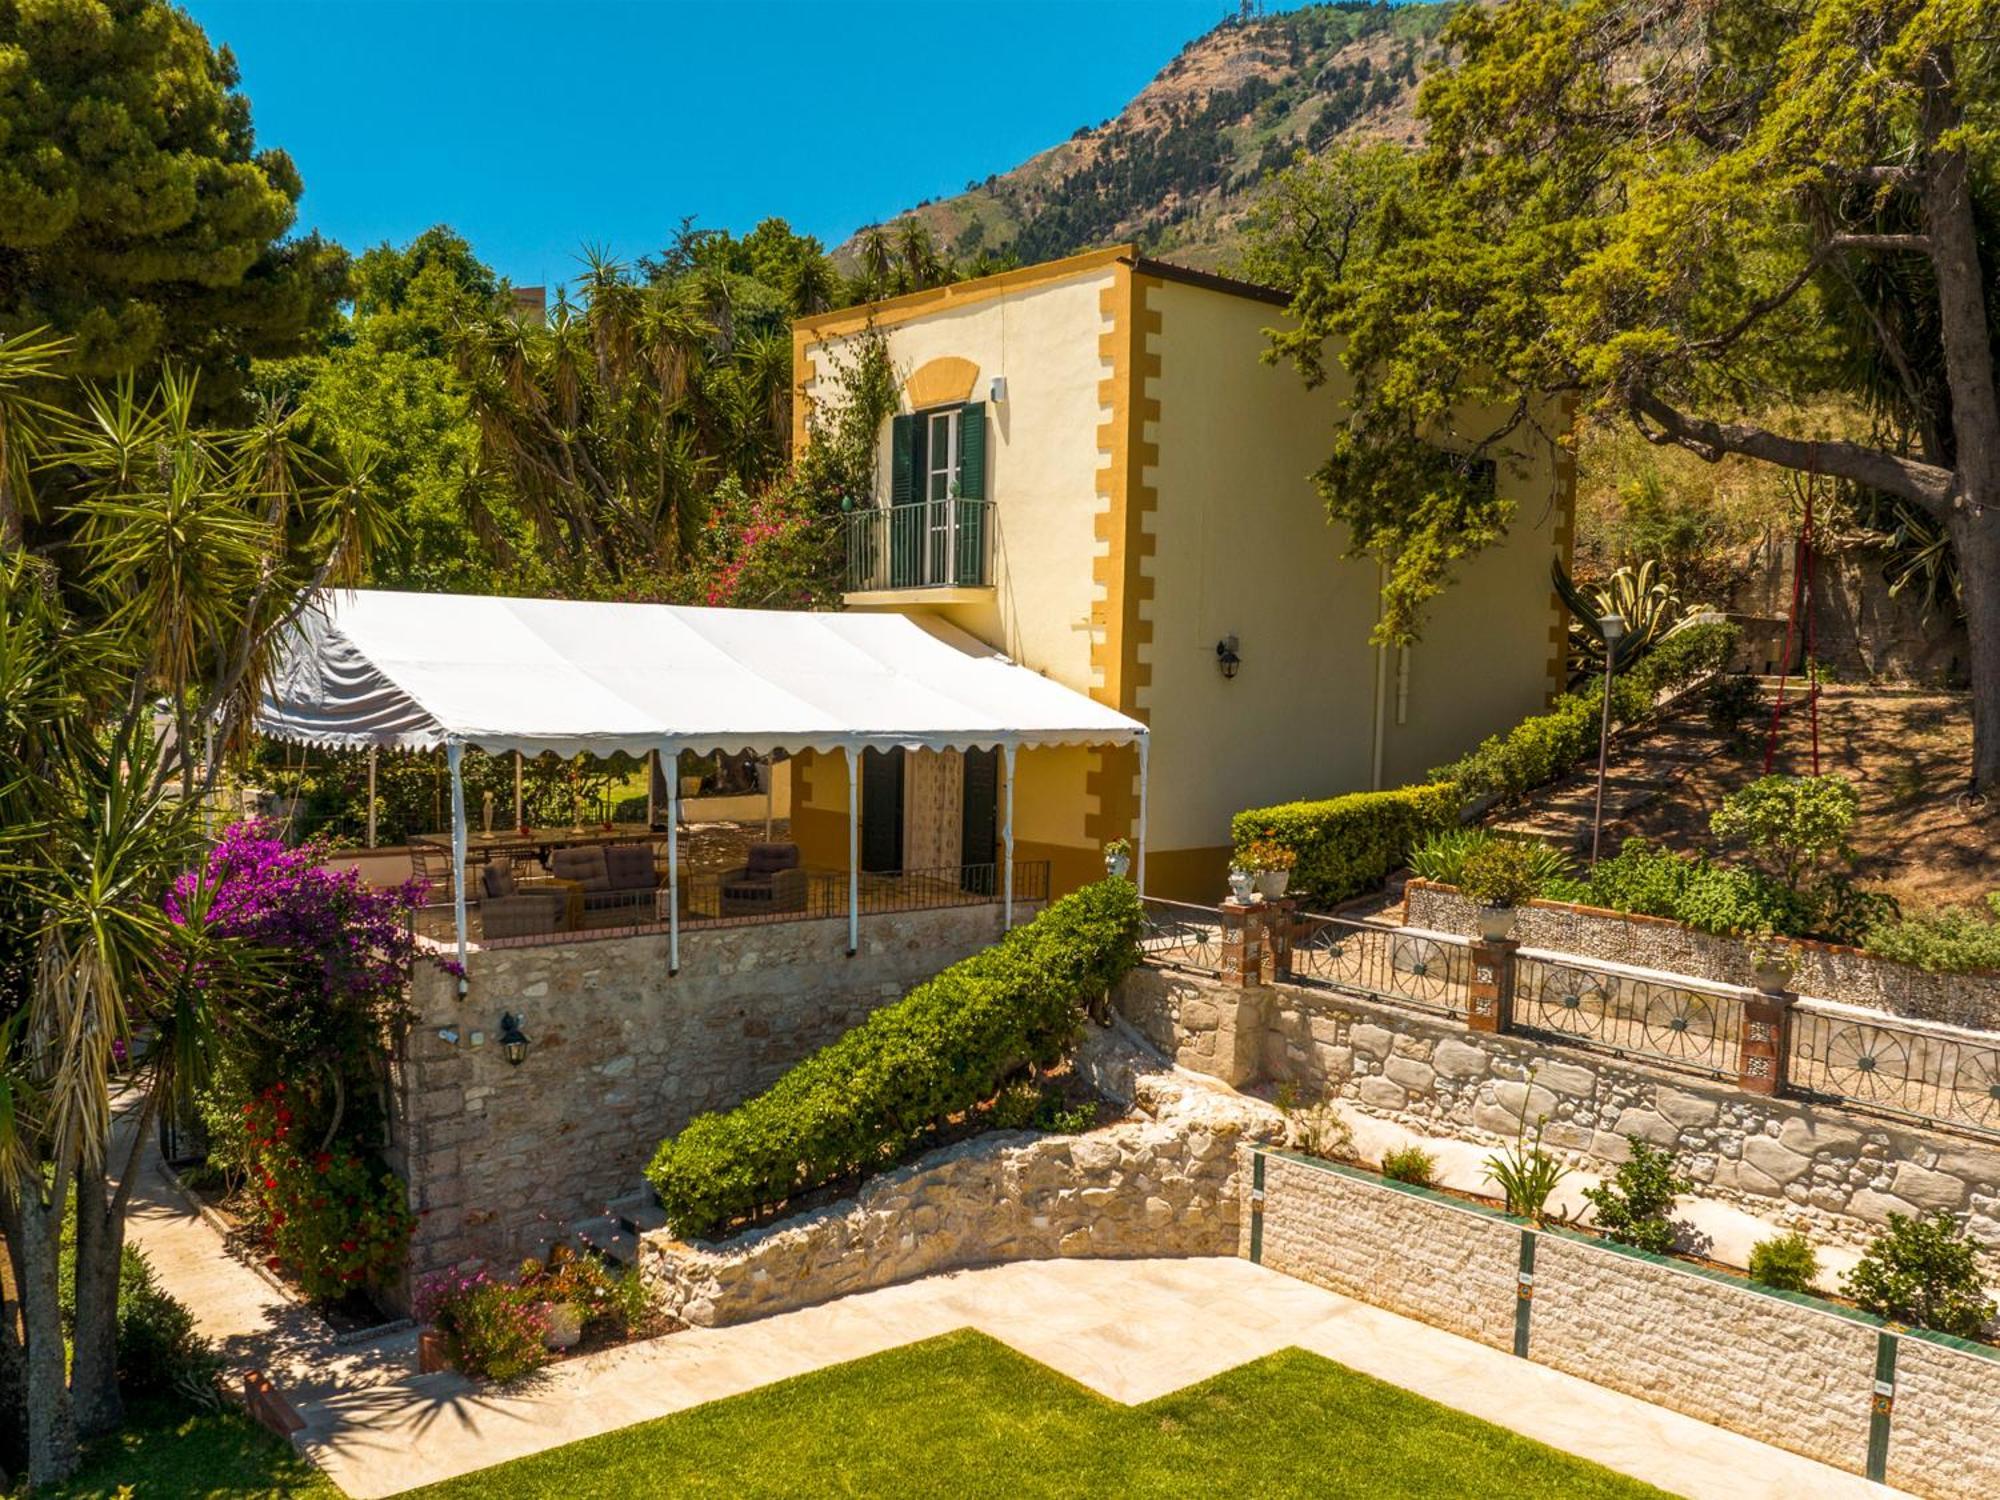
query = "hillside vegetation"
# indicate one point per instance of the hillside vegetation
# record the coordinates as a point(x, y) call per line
point(1179, 167)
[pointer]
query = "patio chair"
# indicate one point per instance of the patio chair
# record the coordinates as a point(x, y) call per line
point(772, 881)
point(510, 908)
point(433, 866)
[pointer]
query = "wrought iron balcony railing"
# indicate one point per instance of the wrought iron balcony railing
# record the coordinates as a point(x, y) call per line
point(932, 544)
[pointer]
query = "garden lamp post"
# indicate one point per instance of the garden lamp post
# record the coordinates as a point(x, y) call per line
point(1611, 627)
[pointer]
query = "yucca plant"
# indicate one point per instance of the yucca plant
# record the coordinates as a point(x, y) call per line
point(1526, 1175)
point(1643, 597)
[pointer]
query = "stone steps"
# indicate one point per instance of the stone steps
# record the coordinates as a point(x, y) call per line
point(607, 1236)
point(639, 1212)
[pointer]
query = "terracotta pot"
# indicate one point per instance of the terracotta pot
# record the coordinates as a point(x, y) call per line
point(431, 1356)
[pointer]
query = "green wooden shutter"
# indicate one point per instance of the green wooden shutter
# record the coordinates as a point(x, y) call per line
point(902, 460)
point(972, 451)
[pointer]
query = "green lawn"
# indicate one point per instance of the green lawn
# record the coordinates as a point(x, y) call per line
point(961, 1415)
point(169, 1455)
point(964, 1415)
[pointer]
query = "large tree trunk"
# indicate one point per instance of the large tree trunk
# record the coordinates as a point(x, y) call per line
point(100, 1238)
point(34, 1233)
point(1974, 518)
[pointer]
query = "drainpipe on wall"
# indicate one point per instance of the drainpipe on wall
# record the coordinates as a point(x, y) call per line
point(1381, 689)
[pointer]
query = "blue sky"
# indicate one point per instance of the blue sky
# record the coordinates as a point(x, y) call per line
point(535, 127)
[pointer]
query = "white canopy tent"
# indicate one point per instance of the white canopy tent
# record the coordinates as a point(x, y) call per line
point(372, 669)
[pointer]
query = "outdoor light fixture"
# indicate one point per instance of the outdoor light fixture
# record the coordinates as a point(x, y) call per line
point(997, 391)
point(1612, 628)
point(513, 1041)
point(1226, 656)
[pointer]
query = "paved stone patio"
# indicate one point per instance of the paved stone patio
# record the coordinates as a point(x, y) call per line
point(1130, 1329)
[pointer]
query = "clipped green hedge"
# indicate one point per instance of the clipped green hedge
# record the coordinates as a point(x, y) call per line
point(863, 1102)
point(1347, 845)
point(1544, 746)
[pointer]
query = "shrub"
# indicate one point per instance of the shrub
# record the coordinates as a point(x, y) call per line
point(1501, 872)
point(1410, 1164)
point(1441, 857)
point(1733, 698)
point(490, 1329)
point(1657, 882)
point(1347, 845)
point(1794, 826)
point(870, 1097)
point(1267, 854)
point(1632, 1208)
point(1314, 1127)
point(329, 1217)
point(1922, 1270)
point(1951, 941)
point(1014, 1107)
point(159, 1351)
point(618, 1302)
point(1526, 1175)
point(1785, 1261)
point(1543, 747)
point(1058, 1119)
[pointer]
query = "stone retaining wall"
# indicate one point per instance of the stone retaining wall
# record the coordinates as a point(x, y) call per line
point(1794, 1372)
point(1842, 1172)
point(1162, 1184)
point(620, 1056)
point(1826, 971)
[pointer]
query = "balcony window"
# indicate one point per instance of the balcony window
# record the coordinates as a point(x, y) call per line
point(937, 530)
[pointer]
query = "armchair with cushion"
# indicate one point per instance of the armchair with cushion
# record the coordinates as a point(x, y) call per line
point(508, 908)
point(772, 881)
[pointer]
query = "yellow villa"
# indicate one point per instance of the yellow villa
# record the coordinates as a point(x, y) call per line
point(1093, 470)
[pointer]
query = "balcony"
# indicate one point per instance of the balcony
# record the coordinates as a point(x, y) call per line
point(943, 548)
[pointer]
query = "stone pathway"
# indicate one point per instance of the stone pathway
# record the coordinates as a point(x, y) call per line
point(1132, 1330)
point(1638, 771)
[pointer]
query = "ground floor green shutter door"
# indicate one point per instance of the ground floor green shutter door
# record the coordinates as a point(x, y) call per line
point(881, 810)
point(979, 825)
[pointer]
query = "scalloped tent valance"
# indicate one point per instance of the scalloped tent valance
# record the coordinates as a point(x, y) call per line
point(416, 671)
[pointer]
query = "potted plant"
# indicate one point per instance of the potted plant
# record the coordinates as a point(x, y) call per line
point(1118, 858)
point(1273, 863)
point(560, 1314)
point(1774, 960)
point(1499, 875)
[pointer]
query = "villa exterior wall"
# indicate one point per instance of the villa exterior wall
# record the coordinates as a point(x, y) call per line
point(498, 1157)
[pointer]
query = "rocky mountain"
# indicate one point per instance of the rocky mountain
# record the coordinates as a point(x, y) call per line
point(1183, 162)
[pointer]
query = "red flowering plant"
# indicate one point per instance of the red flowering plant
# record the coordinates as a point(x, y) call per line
point(325, 1216)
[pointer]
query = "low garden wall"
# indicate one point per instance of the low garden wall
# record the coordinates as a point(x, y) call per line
point(1826, 971)
point(1788, 1370)
point(1842, 1171)
point(497, 1157)
point(1162, 1184)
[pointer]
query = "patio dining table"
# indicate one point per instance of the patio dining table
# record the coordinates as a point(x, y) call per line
point(538, 841)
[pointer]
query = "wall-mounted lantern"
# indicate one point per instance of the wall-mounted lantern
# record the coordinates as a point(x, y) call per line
point(513, 1041)
point(997, 391)
point(1226, 656)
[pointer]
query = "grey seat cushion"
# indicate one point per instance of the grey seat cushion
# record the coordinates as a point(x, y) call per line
point(584, 866)
point(497, 880)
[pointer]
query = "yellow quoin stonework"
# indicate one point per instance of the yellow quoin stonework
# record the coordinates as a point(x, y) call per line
point(1150, 496)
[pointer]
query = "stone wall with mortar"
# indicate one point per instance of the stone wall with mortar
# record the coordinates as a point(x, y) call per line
point(499, 1157)
point(1835, 1171)
point(1789, 1371)
point(1164, 1183)
point(1826, 971)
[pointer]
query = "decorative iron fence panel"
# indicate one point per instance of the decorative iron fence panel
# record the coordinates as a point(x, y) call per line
point(1666, 1020)
point(1428, 970)
point(1181, 935)
point(1934, 1075)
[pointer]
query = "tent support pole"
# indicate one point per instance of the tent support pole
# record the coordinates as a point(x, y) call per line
point(371, 796)
point(520, 818)
point(454, 755)
point(673, 866)
point(652, 778)
point(853, 852)
point(770, 795)
point(1140, 864)
point(1007, 842)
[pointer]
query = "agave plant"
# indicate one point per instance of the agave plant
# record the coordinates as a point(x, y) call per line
point(1641, 596)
